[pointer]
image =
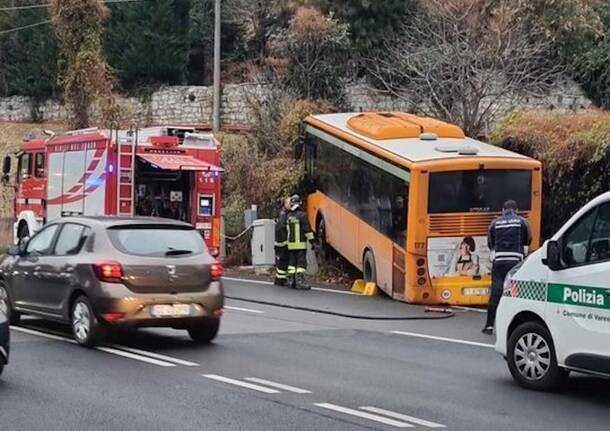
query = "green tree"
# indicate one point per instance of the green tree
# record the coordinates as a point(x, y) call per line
point(588, 59)
point(28, 57)
point(147, 42)
point(370, 21)
point(85, 76)
point(316, 51)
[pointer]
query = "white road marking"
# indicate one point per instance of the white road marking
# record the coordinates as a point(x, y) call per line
point(449, 340)
point(241, 384)
point(134, 356)
point(364, 415)
point(278, 385)
point(342, 292)
point(42, 334)
point(110, 350)
point(247, 310)
point(268, 283)
point(402, 417)
point(157, 356)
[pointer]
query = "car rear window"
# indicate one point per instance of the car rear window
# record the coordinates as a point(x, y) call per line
point(156, 241)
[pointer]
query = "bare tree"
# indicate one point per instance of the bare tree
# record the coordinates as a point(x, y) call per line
point(463, 60)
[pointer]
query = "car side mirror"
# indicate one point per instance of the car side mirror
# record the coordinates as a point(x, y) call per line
point(553, 256)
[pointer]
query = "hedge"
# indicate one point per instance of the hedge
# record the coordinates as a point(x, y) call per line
point(574, 149)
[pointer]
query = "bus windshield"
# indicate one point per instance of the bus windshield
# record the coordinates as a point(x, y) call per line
point(479, 190)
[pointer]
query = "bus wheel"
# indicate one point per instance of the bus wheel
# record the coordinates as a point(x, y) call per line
point(369, 270)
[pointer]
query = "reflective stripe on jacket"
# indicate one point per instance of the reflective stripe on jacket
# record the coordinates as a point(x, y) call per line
point(298, 230)
point(508, 236)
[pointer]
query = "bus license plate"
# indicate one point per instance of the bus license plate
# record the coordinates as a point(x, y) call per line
point(475, 291)
point(175, 310)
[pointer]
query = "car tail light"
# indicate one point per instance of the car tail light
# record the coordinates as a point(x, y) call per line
point(216, 271)
point(111, 317)
point(110, 272)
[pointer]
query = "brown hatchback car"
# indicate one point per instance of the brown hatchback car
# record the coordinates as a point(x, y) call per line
point(98, 273)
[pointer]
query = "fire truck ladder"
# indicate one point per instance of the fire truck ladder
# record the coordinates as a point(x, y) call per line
point(126, 161)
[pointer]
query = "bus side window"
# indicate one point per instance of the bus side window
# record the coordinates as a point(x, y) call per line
point(39, 165)
point(24, 170)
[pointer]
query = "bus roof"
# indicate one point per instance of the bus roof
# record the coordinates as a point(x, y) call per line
point(415, 139)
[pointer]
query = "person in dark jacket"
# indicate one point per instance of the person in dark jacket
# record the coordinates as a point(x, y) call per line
point(299, 234)
point(509, 237)
point(281, 244)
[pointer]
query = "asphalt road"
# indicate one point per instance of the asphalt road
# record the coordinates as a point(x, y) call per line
point(274, 368)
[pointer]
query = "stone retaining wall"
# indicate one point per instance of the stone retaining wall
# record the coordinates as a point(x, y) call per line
point(193, 104)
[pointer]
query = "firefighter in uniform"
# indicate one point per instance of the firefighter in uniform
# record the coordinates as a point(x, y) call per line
point(299, 234)
point(281, 244)
point(509, 237)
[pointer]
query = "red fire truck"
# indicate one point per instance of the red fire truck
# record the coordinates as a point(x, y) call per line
point(170, 172)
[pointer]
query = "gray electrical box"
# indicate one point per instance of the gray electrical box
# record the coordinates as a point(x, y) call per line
point(263, 240)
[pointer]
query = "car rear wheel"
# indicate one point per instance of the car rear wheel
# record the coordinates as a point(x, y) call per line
point(6, 307)
point(204, 332)
point(532, 360)
point(87, 330)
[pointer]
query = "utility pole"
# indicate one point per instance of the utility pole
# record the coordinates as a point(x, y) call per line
point(216, 107)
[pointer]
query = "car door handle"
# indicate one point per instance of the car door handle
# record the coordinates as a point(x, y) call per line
point(68, 268)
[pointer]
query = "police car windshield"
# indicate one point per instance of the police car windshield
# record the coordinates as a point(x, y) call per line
point(479, 190)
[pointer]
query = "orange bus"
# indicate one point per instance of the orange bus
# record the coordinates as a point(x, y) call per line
point(408, 201)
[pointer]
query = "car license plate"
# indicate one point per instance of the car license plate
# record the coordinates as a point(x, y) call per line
point(475, 291)
point(173, 310)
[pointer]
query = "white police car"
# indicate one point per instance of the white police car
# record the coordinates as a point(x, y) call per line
point(554, 316)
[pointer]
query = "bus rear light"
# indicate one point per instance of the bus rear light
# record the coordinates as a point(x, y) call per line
point(421, 271)
point(110, 272)
point(426, 295)
point(421, 281)
point(421, 261)
point(216, 271)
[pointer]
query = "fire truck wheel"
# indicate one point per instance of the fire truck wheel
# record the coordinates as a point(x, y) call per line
point(204, 332)
point(86, 328)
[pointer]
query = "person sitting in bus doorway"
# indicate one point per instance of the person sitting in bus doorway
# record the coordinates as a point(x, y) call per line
point(299, 234)
point(281, 244)
point(508, 237)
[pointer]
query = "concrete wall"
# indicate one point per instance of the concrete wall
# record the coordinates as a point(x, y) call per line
point(193, 104)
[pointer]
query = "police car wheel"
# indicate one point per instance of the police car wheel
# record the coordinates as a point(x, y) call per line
point(531, 358)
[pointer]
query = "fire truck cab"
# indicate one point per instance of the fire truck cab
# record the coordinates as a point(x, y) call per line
point(170, 172)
